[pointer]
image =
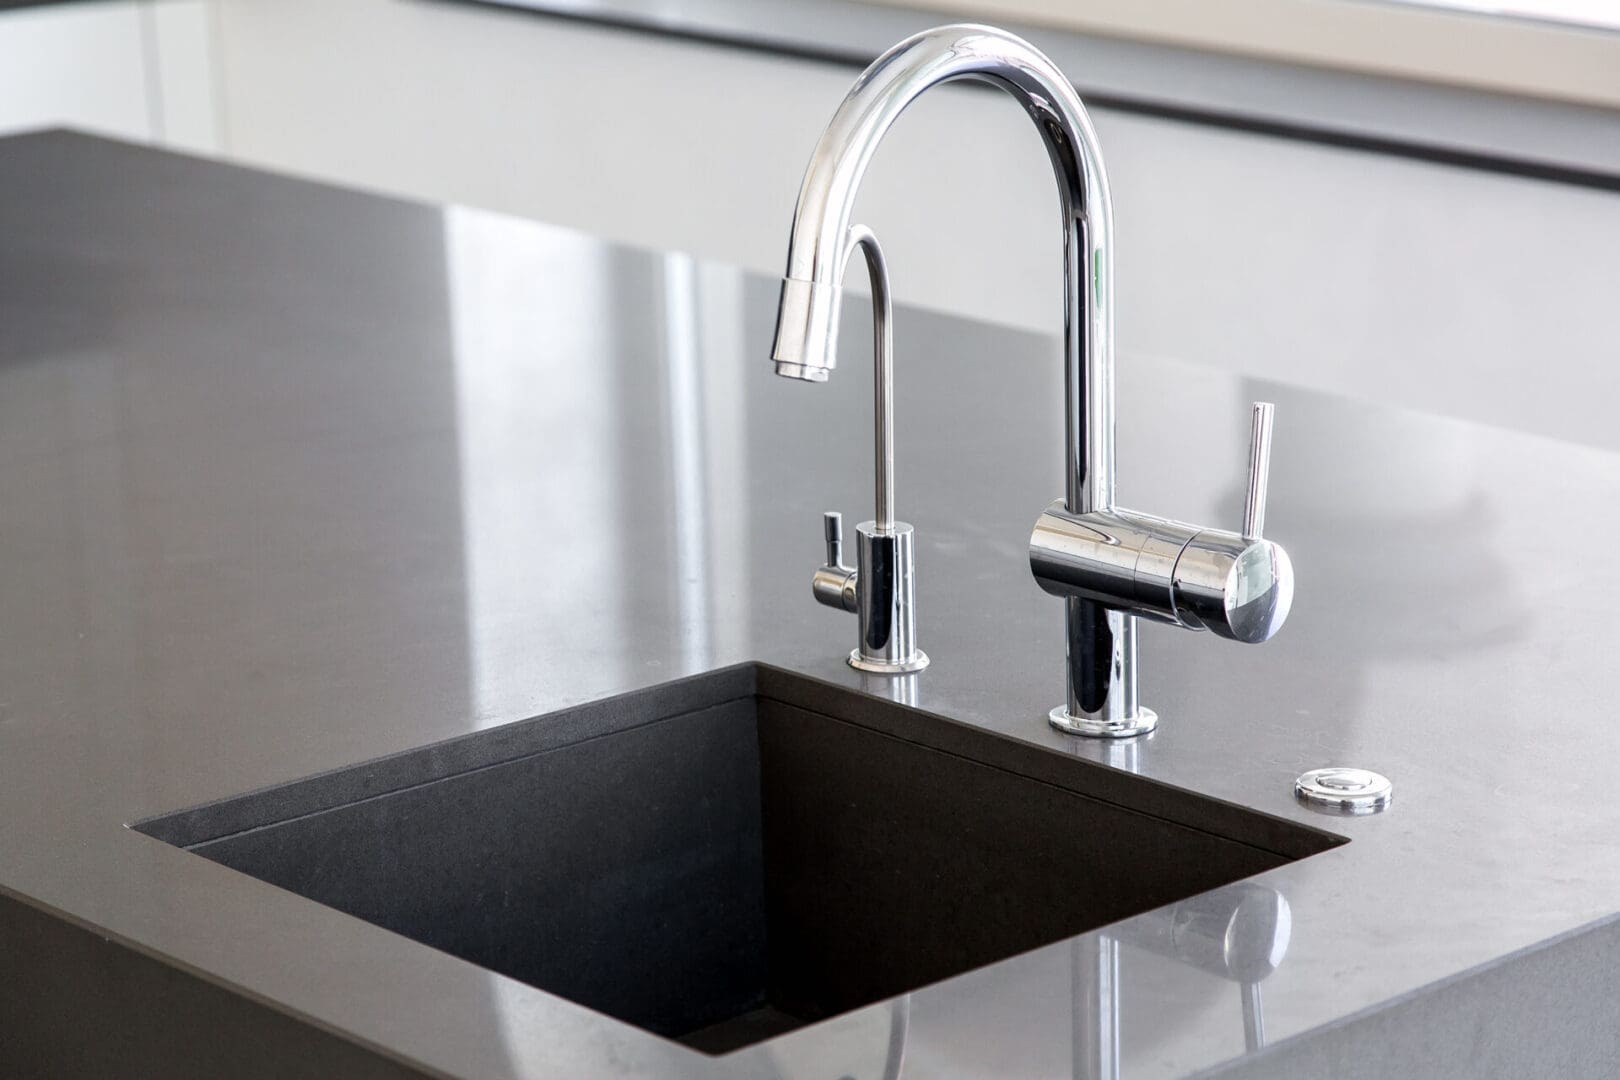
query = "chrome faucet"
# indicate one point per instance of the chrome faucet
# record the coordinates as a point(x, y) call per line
point(1109, 565)
point(880, 588)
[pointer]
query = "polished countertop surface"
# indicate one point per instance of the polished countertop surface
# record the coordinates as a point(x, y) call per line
point(295, 477)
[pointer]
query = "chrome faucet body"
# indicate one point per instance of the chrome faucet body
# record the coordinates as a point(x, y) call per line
point(1108, 565)
point(881, 588)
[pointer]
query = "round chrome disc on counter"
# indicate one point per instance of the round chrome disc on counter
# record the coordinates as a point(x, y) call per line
point(1347, 791)
point(1143, 722)
point(917, 662)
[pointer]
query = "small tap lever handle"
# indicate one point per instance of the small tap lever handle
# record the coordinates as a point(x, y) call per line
point(835, 584)
point(1254, 502)
point(832, 527)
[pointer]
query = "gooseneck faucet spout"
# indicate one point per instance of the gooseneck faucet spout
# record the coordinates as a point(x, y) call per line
point(1110, 566)
point(819, 246)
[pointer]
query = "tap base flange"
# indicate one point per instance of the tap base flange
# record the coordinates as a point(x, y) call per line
point(915, 662)
point(1090, 727)
point(1344, 791)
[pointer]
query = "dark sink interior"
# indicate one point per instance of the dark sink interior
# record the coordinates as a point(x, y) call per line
point(727, 857)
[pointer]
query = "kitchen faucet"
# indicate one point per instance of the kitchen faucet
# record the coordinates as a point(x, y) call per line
point(1110, 565)
point(880, 588)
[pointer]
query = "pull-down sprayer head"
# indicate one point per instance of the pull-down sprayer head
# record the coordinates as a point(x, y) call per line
point(807, 329)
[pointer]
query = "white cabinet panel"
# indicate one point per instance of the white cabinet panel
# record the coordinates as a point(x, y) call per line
point(182, 59)
point(78, 64)
point(135, 69)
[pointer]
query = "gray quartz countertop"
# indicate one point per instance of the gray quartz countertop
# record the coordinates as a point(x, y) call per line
point(293, 477)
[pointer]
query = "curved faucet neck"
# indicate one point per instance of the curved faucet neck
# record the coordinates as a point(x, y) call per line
point(819, 248)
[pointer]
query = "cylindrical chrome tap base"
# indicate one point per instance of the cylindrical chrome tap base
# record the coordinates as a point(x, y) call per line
point(1138, 723)
point(885, 565)
point(917, 662)
point(1101, 650)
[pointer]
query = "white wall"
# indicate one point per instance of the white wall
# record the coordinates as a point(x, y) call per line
point(1460, 292)
point(135, 69)
point(1417, 39)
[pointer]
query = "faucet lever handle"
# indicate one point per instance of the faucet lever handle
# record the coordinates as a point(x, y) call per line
point(1254, 502)
point(835, 584)
point(832, 527)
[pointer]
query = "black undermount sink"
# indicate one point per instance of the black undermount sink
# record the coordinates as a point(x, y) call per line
point(727, 857)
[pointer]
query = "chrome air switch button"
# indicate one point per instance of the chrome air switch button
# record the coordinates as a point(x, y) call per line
point(1345, 791)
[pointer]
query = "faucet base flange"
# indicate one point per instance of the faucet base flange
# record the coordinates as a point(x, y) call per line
point(1142, 723)
point(915, 662)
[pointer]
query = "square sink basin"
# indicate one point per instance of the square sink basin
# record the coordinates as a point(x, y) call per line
point(728, 857)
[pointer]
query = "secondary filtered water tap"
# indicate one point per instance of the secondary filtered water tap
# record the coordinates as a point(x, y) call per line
point(881, 587)
point(1110, 565)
